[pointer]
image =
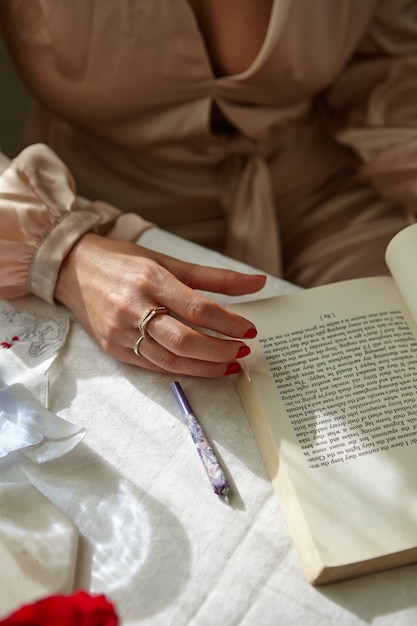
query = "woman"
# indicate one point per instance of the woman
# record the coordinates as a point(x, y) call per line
point(281, 132)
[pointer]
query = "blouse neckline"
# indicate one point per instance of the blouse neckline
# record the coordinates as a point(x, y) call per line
point(259, 58)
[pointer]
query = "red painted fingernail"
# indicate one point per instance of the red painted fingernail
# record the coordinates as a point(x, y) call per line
point(243, 351)
point(232, 368)
point(251, 333)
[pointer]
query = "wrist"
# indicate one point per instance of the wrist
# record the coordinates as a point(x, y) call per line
point(67, 283)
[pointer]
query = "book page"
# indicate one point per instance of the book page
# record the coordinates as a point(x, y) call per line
point(335, 369)
point(401, 258)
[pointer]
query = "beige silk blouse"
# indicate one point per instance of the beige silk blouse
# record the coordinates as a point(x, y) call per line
point(313, 171)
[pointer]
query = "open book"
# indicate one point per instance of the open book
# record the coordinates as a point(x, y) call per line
point(330, 389)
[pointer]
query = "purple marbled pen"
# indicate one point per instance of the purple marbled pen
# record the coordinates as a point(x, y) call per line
point(205, 451)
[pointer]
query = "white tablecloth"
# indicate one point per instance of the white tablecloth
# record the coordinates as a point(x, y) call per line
point(154, 537)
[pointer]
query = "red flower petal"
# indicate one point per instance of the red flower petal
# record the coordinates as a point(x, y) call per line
point(80, 609)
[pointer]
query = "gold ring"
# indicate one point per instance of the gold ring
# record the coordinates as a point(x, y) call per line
point(136, 346)
point(150, 313)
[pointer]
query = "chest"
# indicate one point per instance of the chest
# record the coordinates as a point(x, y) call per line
point(139, 60)
point(233, 31)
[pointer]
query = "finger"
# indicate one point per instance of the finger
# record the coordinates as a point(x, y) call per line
point(203, 312)
point(184, 341)
point(221, 281)
point(190, 305)
point(211, 279)
point(155, 357)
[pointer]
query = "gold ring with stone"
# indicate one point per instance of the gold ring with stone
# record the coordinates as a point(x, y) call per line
point(150, 313)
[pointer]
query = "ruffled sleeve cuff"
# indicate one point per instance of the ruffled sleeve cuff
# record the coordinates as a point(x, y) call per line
point(41, 218)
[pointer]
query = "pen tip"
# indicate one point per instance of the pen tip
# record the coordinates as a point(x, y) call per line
point(222, 490)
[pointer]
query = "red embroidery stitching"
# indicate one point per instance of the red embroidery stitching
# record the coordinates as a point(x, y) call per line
point(8, 344)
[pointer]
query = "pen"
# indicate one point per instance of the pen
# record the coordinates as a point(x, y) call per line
point(205, 451)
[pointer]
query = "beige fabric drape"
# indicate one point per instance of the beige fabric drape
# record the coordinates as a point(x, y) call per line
point(317, 176)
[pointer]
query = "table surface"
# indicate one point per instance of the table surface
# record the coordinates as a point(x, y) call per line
point(154, 537)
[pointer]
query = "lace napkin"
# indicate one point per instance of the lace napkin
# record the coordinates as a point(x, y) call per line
point(29, 343)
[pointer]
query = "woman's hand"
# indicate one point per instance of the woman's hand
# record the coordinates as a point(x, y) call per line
point(110, 285)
